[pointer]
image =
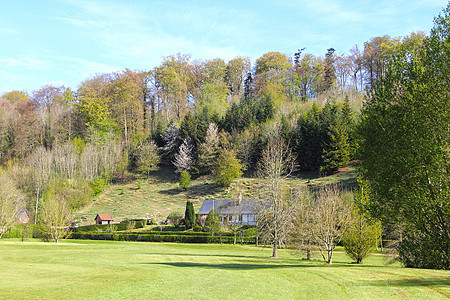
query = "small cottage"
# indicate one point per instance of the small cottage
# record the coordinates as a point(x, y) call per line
point(232, 211)
point(102, 219)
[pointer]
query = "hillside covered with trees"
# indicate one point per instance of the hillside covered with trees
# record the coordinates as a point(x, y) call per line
point(59, 147)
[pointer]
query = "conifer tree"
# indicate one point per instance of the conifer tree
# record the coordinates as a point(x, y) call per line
point(189, 215)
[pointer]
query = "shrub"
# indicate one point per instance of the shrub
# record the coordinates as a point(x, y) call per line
point(212, 223)
point(97, 186)
point(184, 180)
point(175, 219)
point(197, 228)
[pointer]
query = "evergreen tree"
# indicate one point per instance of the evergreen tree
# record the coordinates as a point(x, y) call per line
point(189, 215)
point(336, 152)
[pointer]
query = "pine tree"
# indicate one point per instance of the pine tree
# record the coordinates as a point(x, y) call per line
point(336, 153)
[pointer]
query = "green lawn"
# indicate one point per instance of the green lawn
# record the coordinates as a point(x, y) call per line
point(75, 269)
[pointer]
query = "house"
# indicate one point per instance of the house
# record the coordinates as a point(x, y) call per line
point(102, 219)
point(232, 211)
point(22, 216)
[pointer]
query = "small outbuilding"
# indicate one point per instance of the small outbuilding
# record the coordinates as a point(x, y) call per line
point(102, 219)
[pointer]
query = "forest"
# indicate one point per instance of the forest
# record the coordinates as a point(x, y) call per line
point(217, 117)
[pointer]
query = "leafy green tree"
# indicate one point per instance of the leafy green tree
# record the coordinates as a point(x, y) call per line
point(147, 158)
point(185, 180)
point(362, 235)
point(212, 223)
point(228, 168)
point(405, 148)
point(189, 215)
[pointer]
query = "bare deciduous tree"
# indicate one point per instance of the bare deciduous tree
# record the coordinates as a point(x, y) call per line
point(325, 218)
point(11, 202)
point(277, 204)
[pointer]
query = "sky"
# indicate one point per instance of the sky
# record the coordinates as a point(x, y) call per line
point(64, 42)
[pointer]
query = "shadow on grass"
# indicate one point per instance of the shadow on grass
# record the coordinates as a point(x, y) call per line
point(234, 266)
point(174, 191)
point(412, 282)
point(203, 189)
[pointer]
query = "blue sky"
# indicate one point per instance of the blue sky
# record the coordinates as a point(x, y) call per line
point(65, 42)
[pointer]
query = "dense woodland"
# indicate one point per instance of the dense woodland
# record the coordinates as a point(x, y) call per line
point(196, 116)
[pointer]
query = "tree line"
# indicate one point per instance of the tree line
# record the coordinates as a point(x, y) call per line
point(220, 118)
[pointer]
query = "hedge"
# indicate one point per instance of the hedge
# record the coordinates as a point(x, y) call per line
point(171, 238)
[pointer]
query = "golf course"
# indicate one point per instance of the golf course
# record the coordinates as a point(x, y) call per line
point(78, 269)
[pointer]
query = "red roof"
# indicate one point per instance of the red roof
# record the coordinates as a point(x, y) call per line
point(104, 217)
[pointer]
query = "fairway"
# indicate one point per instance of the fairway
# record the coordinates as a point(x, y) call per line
point(75, 269)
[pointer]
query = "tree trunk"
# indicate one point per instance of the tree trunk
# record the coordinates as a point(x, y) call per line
point(275, 250)
point(330, 253)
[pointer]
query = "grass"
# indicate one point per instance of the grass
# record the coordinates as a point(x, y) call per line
point(101, 269)
point(160, 194)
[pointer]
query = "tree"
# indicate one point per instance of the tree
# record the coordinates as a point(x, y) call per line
point(184, 159)
point(185, 180)
point(362, 235)
point(405, 148)
point(12, 201)
point(55, 216)
point(277, 208)
point(227, 168)
point(189, 215)
point(329, 76)
point(212, 223)
point(208, 150)
point(326, 218)
point(336, 153)
point(148, 158)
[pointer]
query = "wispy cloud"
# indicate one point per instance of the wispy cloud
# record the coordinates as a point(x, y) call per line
point(24, 62)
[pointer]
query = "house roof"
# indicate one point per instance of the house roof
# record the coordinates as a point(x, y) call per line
point(229, 206)
point(104, 217)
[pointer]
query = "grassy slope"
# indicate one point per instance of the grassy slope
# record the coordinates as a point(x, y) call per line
point(159, 195)
point(102, 269)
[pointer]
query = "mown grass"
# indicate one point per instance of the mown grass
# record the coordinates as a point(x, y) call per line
point(159, 195)
point(118, 270)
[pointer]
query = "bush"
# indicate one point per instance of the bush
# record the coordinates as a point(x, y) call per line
point(212, 223)
point(197, 228)
point(175, 219)
point(97, 186)
point(361, 237)
point(184, 180)
point(173, 237)
point(417, 250)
